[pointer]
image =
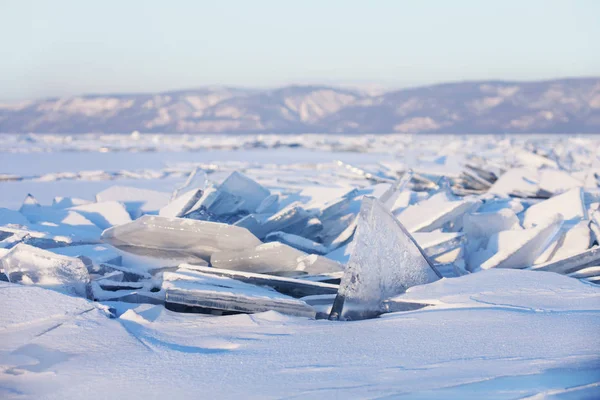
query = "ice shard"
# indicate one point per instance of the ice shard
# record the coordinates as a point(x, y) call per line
point(390, 197)
point(182, 204)
point(436, 243)
point(288, 286)
point(222, 294)
point(574, 263)
point(29, 265)
point(137, 201)
point(197, 180)
point(570, 204)
point(104, 214)
point(250, 191)
point(589, 272)
point(519, 249)
point(297, 242)
point(385, 262)
point(274, 257)
point(293, 215)
point(572, 240)
point(177, 236)
point(435, 212)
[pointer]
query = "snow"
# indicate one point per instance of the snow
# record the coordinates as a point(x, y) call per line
point(473, 202)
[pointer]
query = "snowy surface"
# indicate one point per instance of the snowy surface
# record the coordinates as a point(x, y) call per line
point(484, 333)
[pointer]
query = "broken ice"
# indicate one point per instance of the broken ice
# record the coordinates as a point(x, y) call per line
point(220, 293)
point(30, 265)
point(385, 261)
point(177, 236)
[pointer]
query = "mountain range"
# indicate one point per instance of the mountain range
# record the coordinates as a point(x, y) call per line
point(555, 106)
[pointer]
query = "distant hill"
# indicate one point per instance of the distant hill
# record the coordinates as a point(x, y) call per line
point(561, 106)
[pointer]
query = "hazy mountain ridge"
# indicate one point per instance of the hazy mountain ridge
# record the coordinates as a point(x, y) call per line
point(562, 105)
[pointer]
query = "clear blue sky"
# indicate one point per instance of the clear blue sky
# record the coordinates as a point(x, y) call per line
point(64, 47)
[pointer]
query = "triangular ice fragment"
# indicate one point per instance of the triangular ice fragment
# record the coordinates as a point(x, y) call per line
point(385, 262)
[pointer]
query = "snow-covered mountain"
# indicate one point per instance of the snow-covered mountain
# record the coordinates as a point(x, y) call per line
point(565, 105)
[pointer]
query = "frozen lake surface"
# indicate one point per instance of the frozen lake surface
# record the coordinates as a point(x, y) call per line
point(511, 224)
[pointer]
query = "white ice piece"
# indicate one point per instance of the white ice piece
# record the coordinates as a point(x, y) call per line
point(435, 212)
point(221, 293)
point(137, 201)
point(183, 203)
point(520, 248)
point(104, 214)
point(571, 241)
point(297, 242)
point(521, 181)
point(570, 204)
point(197, 180)
point(385, 261)
point(177, 236)
point(30, 265)
point(250, 191)
point(274, 257)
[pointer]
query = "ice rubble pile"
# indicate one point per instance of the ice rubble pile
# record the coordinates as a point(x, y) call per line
point(240, 247)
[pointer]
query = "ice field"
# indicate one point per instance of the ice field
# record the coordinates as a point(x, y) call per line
point(299, 266)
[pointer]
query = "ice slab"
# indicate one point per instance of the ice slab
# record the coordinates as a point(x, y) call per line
point(181, 204)
point(220, 293)
point(137, 201)
point(104, 214)
point(43, 214)
point(572, 240)
point(269, 205)
point(520, 181)
point(574, 263)
point(557, 181)
point(392, 195)
point(178, 236)
point(297, 242)
point(274, 257)
point(588, 272)
point(313, 264)
point(480, 227)
point(570, 204)
point(437, 242)
point(288, 286)
point(252, 193)
point(29, 265)
point(385, 261)
point(520, 248)
point(197, 180)
point(435, 212)
point(293, 215)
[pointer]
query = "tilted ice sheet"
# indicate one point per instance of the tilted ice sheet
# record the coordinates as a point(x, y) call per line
point(222, 293)
point(179, 236)
point(385, 261)
point(569, 204)
point(30, 265)
point(520, 248)
point(273, 257)
point(137, 201)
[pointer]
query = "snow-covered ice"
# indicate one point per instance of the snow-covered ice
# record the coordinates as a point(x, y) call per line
point(274, 229)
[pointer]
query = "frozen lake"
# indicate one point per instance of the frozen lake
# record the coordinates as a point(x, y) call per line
point(504, 219)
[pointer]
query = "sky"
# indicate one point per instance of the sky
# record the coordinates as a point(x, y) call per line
point(68, 47)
